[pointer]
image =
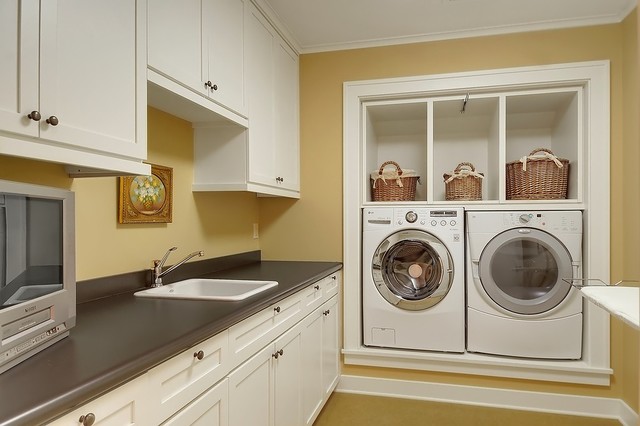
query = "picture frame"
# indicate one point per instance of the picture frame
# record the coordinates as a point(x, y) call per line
point(146, 198)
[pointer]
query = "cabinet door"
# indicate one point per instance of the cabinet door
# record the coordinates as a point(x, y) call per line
point(285, 96)
point(19, 65)
point(330, 345)
point(125, 405)
point(92, 75)
point(223, 52)
point(209, 409)
point(251, 391)
point(288, 378)
point(312, 386)
point(175, 41)
point(259, 54)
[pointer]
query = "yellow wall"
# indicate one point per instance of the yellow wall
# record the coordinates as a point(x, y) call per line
point(218, 223)
point(317, 216)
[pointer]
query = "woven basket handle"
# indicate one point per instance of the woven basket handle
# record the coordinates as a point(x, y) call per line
point(537, 150)
point(463, 165)
point(386, 163)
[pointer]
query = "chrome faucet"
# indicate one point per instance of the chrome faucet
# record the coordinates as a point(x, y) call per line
point(157, 273)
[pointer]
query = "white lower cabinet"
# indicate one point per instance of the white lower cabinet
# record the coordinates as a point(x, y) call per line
point(277, 367)
point(126, 405)
point(320, 357)
point(272, 382)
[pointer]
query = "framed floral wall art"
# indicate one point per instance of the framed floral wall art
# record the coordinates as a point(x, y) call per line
point(146, 199)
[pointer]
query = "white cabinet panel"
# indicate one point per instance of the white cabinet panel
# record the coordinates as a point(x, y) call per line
point(250, 391)
point(312, 349)
point(19, 66)
point(288, 376)
point(330, 346)
point(175, 34)
point(286, 119)
point(223, 45)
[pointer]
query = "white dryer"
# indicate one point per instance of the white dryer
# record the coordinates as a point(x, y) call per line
point(518, 302)
point(413, 278)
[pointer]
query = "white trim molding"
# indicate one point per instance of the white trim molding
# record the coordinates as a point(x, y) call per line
point(586, 406)
point(592, 198)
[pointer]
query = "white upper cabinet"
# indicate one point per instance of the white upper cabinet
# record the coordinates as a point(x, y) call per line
point(265, 158)
point(72, 87)
point(195, 59)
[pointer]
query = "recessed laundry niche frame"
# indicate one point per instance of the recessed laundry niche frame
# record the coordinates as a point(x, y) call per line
point(583, 90)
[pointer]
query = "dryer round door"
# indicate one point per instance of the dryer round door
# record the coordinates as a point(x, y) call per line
point(412, 269)
point(522, 270)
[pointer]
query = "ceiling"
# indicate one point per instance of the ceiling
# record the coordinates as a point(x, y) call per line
point(324, 25)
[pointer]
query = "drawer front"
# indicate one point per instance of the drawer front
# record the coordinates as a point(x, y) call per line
point(331, 285)
point(122, 406)
point(252, 334)
point(182, 378)
point(312, 296)
point(211, 408)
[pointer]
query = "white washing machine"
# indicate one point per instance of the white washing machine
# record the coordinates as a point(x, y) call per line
point(413, 278)
point(518, 302)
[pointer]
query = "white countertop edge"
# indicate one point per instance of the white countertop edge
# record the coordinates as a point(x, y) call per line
point(621, 302)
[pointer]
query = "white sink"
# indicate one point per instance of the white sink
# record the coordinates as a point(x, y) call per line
point(208, 289)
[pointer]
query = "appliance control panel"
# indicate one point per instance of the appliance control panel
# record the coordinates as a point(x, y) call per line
point(557, 221)
point(419, 217)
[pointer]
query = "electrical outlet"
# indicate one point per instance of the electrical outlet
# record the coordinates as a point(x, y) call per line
point(255, 231)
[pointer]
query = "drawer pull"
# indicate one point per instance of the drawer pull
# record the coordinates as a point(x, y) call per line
point(277, 309)
point(199, 354)
point(87, 419)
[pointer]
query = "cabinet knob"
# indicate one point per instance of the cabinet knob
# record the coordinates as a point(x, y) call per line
point(87, 419)
point(277, 354)
point(327, 312)
point(277, 309)
point(208, 83)
point(214, 87)
point(34, 115)
point(199, 355)
point(53, 120)
point(317, 287)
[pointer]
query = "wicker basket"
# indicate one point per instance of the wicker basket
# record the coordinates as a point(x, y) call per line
point(393, 185)
point(538, 177)
point(464, 184)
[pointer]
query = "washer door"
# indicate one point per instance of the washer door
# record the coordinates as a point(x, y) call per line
point(412, 269)
point(522, 269)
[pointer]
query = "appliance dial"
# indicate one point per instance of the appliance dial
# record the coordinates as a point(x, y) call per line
point(411, 216)
point(525, 218)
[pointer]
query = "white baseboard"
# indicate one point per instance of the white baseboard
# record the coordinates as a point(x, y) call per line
point(588, 406)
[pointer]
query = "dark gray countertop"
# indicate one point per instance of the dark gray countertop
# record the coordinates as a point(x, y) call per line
point(119, 337)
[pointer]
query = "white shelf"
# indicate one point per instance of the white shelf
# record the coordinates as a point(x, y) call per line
point(621, 302)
